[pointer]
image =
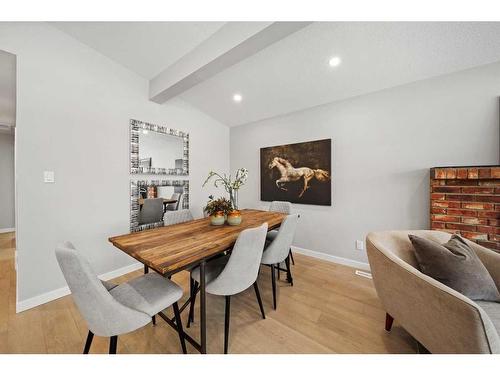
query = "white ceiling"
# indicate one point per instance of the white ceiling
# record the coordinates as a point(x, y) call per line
point(7, 89)
point(294, 74)
point(144, 47)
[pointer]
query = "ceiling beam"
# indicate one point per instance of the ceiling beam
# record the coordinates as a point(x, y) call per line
point(232, 43)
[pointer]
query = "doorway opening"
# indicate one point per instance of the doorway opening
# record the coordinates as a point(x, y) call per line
point(7, 172)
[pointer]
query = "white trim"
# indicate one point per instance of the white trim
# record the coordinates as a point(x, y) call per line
point(7, 230)
point(64, 291)
point(332, 258)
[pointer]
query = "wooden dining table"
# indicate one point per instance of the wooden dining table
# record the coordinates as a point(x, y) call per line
point(171, 249)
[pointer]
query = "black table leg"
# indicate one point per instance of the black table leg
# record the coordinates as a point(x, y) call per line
point(203, 317)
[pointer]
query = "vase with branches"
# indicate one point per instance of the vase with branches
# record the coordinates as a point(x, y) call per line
point(230, 185)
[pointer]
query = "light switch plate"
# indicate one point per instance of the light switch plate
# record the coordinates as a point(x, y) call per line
point(360, 245)
point(48, 177)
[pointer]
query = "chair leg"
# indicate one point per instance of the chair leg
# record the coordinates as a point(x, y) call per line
point(279, 271)
point(146, 269)
point(178, 323)
point(259, 300)
point(153, 318)
point(226, 323)
point(88, 343)
point(291, 257)
point(273, 281)
point(113, 343)
point(191, 305)
point(388, 322)
point(288, 270)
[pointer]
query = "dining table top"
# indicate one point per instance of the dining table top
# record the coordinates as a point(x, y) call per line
point(172, 248)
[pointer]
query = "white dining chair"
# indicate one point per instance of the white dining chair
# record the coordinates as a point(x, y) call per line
point(111, 310)
point(230, 275)
point(278, 250)
point(284, 208)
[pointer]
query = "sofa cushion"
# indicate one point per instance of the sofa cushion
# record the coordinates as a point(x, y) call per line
point(456, 265)
point(492, 309)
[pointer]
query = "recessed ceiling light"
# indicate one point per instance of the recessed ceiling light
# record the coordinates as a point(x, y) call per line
point(237, 98)
point(334, 61)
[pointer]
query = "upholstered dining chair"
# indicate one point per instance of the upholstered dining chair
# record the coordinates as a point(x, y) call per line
point(174, 206)
point(177, 217)
point(278, 251)
point(230, 275)
point(151, 211)
point(284, 208)
point(111, 310)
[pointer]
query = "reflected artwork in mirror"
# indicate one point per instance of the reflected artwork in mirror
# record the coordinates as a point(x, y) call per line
point(157, 149)
point(149, 200)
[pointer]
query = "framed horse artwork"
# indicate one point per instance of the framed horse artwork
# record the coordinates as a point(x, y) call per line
point(297, 173)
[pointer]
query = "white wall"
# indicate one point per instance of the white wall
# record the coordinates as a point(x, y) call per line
point(383, 146)
point(7, 218)
point(73, 113)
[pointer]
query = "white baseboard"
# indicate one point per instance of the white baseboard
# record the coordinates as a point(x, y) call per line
point(64, 291)
point(7, 230)
point(332, 258)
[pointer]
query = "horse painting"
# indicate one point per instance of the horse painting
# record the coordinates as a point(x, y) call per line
point(291, 174)
point(299, 173)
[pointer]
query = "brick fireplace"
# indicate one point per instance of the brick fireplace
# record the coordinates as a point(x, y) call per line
point(466, 200)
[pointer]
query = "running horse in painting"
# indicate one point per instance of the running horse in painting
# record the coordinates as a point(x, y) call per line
point(291, 174)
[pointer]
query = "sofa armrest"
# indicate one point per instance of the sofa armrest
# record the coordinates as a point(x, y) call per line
point(443, 320)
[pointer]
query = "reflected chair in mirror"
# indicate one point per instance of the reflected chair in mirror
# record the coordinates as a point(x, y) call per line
point(230, 275)
point(284, 208)
point(174, 206)
point(278, 251)
point(111, 310)
point(151, 211)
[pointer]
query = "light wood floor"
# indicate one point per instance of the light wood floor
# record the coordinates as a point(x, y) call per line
point(328, 310)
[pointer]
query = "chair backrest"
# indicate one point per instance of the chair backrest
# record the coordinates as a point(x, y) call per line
point(278, 250)
point(281, 206)
point(104, 315)
point(174, 206)
point(151, 211)
point(243, 265)
point(176, 217)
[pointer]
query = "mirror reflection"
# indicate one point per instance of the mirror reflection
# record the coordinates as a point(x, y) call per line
point(154, 201)
point(160, 153)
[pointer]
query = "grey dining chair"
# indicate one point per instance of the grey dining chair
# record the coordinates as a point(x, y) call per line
point(111, 310)
point(230, 275)
point(151, 211)
point(174, 217)
point(174, 206)
point(278, 250)
point(177, 217)
point(285, 208)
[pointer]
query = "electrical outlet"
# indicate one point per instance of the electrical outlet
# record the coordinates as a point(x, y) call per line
point(48, 177)
point(360, 245)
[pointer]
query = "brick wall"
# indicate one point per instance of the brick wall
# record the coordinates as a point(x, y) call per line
point(466, 200)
